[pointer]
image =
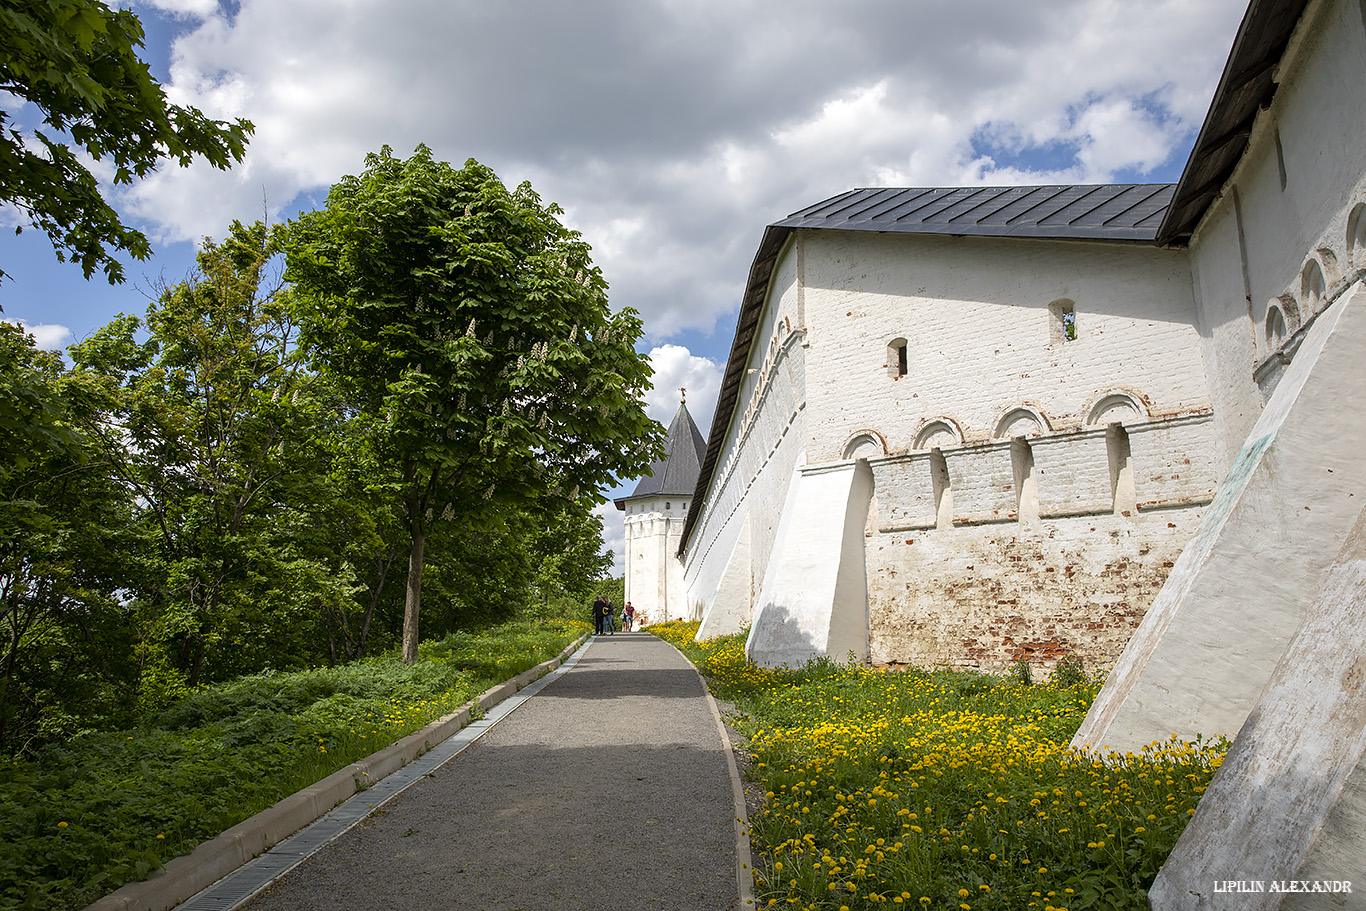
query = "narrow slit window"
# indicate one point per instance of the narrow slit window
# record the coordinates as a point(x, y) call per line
point(1062, 319)
point(1026, 484)
point(898, 361)
point(943, 489)
point(1123, 492)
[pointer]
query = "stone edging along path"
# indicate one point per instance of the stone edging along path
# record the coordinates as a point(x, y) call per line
point(744, 859)
point(182, 877)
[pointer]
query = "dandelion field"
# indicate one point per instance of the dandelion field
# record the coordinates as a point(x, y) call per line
point(945, 790)
point(108, 807)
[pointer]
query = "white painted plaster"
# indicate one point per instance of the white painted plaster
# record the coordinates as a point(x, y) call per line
point(1240, 588)
point(1289, 801)
point(814, 599)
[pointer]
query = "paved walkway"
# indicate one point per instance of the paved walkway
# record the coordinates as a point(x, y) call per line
point(609, 789)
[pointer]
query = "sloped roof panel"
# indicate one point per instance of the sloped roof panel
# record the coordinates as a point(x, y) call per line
point(1122, 212)
point(1246, 86)
point(676, 474)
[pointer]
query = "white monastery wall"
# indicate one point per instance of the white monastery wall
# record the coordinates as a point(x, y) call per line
point(976, 317)
point(1044, 535)
point(1289, 226)
point(654, 580)
point(734, 535)
point(1278, 241)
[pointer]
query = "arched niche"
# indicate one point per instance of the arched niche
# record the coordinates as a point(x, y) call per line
point(1313, 288)
point(1356, 237)
point(940, 433)
point(1115, 407)
point(1275, 328)
point(866, 444)
point(1021, 421)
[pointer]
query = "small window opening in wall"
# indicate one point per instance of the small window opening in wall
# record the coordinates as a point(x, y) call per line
point(898, 362)
point(943, 489)
point(1026, 485)
point(1062, 322)
point(668, 506)
point(1123, 493)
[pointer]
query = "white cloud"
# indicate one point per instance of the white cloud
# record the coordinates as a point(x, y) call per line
point(201, 9)
point(46, 336)
point(613, 535)
point(676, 367)
point(673, 132)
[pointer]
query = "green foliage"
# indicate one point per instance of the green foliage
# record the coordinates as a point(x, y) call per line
point(76, 62)
point(62, 525)
point(212, 423)
point(88, 815)
point(944, 789)
point(208, 492)
point(1021, 672)
point(1070, 671)
point(474, 336)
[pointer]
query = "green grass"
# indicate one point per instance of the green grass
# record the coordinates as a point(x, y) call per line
point(938, 789)
point(107, 808)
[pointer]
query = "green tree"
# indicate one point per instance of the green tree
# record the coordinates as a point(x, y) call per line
point(567, 560)
point(76, 62)
point(213, 425)
point(63, 544)
point(475, 332)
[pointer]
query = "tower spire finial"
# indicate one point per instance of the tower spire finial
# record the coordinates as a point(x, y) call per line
point(684, 392)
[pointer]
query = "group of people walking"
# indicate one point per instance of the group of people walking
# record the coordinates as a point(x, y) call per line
point(604, 617)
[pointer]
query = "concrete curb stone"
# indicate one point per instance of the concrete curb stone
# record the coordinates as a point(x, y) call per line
point(182, 877)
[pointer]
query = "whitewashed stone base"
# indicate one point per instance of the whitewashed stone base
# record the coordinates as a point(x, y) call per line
point(814, 597)
point(1289, 802)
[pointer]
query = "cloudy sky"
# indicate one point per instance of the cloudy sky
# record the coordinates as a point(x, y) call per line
point(671, 131)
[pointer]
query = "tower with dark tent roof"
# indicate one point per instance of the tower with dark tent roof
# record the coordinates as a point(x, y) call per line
point(654, 519)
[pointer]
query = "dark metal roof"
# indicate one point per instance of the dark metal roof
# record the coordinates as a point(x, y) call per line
point(1245, 87)
point(675, 474)
point(1111, 212)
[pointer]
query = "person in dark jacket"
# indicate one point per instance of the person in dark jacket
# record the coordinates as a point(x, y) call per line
point(598, 604)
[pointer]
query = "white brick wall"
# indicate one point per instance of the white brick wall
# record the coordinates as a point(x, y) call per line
point(975, 312)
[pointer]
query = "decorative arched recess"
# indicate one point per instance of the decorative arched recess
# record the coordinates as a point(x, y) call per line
point(865, 444)
point(1356, 237)
point(1021, 421)
point(1314, 282)
point(1115, 406)
point(1276, 326)
point(939, 433)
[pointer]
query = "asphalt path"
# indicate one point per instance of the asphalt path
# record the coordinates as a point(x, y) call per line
point(609, 789)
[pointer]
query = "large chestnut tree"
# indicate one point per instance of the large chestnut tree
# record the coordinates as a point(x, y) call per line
point(473, 333)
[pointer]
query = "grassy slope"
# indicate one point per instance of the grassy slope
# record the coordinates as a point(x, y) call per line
point(87, 816)
point(943, 789)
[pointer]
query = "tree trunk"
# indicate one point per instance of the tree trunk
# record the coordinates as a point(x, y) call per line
point(412, 600)
point(382, 566)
